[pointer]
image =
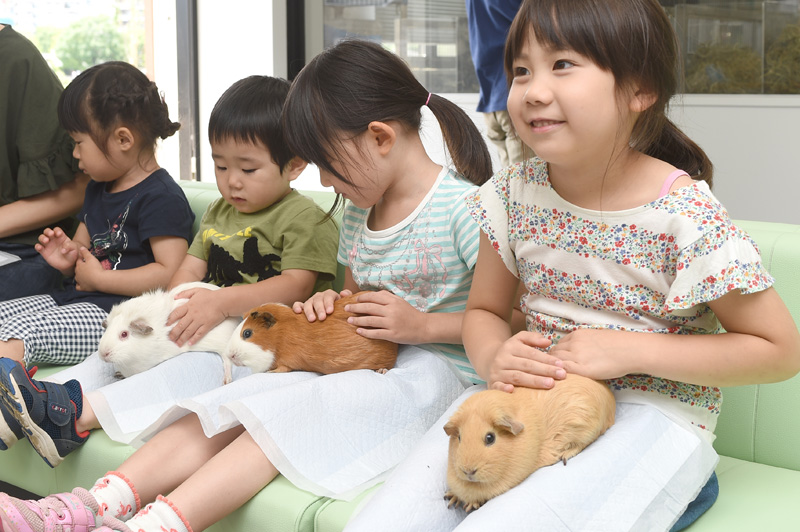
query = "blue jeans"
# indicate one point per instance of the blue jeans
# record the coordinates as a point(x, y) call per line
point(697, 507)
point(27, 277)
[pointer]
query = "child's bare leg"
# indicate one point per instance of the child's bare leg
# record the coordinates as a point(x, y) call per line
point(88, 419)
point(14, 349)
point(230, 479)
point(172, 456)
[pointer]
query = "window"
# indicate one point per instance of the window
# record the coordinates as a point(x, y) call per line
point(739, 47)
point(431, 35)
point(728, 47)
point(73, 36)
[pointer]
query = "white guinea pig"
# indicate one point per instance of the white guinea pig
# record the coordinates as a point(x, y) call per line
point(137, 337)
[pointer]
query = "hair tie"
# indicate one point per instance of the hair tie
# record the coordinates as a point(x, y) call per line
point(429, 98)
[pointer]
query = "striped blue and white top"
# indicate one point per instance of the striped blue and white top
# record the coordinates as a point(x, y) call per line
point(427, 259)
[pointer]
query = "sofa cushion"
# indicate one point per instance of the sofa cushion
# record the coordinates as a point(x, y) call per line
point(752, 497)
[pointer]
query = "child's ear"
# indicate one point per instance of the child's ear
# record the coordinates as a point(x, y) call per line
point(294, 168)
point(642, 100)
point(382, 136)
point(123, 138)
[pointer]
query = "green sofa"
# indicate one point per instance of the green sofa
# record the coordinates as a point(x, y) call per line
point(758, 437)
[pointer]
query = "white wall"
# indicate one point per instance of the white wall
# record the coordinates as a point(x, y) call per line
point(754, 143)
point(235, 39)
point(166, 77)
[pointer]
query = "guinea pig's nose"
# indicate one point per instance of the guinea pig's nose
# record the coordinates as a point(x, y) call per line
point(469, 472)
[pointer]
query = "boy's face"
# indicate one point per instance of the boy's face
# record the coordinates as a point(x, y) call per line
point(247, 177)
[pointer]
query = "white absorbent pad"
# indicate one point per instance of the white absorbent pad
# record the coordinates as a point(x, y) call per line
point(126, 407)
point(639, 476)
point(335, 435)
point(92, 373)
point(207, 405)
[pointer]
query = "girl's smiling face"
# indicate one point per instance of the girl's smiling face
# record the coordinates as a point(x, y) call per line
point(247, 177)
point(564, 106)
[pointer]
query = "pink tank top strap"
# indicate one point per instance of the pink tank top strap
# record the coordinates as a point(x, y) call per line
point(671, 178)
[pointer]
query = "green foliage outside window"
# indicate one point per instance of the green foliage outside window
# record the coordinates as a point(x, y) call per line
point(723, 69)
point(735, 69)
point(88, 42)
point(782, 74)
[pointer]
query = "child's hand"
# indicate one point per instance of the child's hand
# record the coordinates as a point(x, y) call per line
point(521, 361)
point(88, 271)
point(595, 353)
point(385, 316)
point(57, 249)
point(196, 317)
point(319, 305)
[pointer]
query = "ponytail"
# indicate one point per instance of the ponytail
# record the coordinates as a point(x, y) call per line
point(464, 142)
point(676, 148)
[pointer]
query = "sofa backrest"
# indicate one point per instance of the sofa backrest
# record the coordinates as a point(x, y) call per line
point(200, 194)
point(761, 423)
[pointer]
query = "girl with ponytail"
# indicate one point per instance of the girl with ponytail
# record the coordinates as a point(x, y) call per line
point(355, 112)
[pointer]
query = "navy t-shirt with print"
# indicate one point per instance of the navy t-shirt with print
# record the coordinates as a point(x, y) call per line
point(120, 225)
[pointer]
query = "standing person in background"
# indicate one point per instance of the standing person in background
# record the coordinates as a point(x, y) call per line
point(40, 183)
point(488, 22)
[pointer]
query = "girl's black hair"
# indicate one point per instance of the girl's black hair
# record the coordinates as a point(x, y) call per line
point(114, 94)
point(250, 111)
point(635, 41)
point(355, 82)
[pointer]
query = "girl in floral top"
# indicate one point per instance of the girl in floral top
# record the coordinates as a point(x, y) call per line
point(633, 273)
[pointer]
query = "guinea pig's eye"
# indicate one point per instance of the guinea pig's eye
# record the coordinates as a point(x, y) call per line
point(489, 438)
point(247, 333)
point(123, 335)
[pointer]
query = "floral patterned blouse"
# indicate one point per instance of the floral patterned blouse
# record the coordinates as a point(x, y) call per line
point(651, 269)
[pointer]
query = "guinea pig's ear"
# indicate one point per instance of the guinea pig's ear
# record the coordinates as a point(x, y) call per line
point(508, 424)
point(267, 319)
point(140, 326)
point(450, 428)
point(105, 323)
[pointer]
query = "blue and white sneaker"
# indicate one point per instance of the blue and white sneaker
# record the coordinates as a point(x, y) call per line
point(10, 431)
point(45, 411)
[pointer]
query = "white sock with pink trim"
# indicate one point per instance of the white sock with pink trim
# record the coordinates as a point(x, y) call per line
point(116, 496)
point(157, 516)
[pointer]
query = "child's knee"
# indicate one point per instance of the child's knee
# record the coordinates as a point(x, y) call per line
point(14, 349)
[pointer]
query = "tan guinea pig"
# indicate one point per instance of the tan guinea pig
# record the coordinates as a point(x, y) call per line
point(273, 338)
point(498, 439)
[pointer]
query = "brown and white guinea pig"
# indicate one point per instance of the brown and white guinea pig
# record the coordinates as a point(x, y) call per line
point(273, 338)
point(498, 439)
point(137, 337)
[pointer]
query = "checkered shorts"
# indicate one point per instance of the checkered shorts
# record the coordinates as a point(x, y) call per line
point(52, 334)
